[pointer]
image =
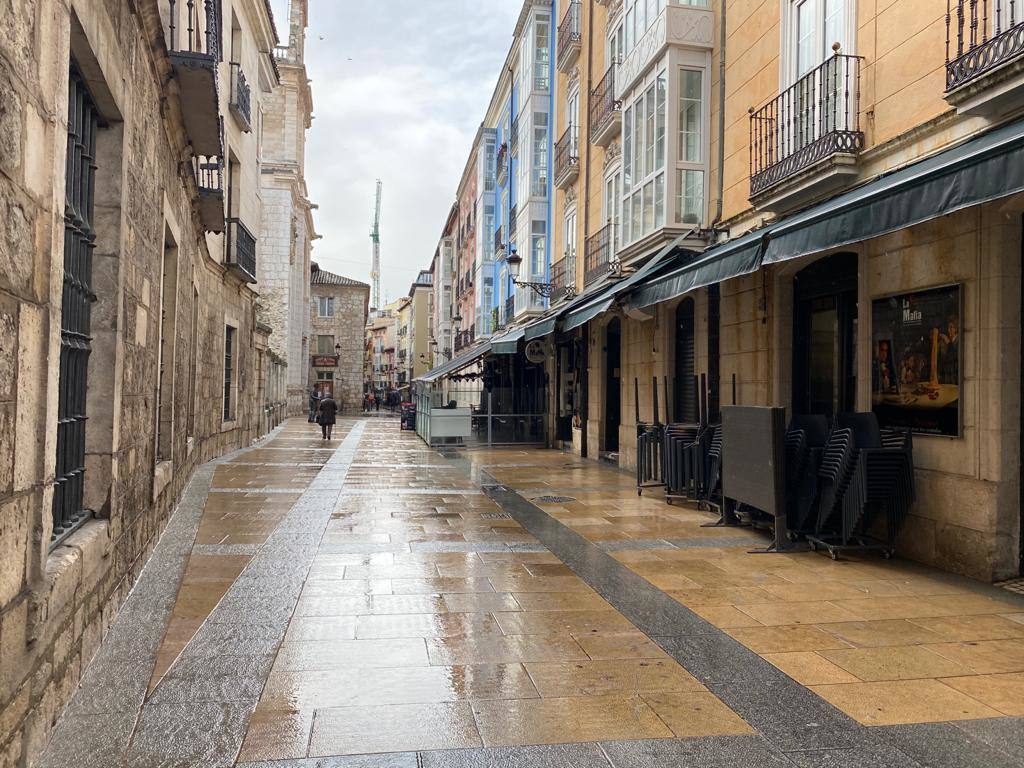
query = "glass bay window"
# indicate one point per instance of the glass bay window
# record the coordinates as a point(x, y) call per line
point(643, 152)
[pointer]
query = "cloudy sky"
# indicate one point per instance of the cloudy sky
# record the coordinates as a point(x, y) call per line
point(399, 90)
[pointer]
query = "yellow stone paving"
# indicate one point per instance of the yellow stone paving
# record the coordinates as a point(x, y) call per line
point(416, 650)
point(885, 642)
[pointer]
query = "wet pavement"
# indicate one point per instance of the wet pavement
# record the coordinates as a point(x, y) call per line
point(372, 602)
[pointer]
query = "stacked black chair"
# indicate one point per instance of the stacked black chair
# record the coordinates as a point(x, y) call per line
point(867, 484)
point(710, 493)
point(650, 457)
point(678, 440)
point(805, 447)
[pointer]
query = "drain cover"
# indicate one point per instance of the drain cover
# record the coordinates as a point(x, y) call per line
point(554, 499)
point(495, 516)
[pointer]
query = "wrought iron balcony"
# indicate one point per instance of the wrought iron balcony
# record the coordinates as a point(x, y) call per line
point(510, 308)
point(499, 240)
point(597, 255)
point(241, 250)
point(513, 138)
point(501, 163)
point(194, 47)
point(605, 110)
point(512, 215)
point(209, 175)
point(567, 158)
point(563, 277)
point(240, 97)
point(811, 127)
point(984, 45)
point(570, 38)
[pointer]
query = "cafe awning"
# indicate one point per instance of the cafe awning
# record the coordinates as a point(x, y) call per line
point(457, 363)
point(722, 262)
point(508, 343)
point(978, 171)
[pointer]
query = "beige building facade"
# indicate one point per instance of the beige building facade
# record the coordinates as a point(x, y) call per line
point(130, 348)
point(819, 99)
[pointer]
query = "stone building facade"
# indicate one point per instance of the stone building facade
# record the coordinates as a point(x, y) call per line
point(129, 349)
point(337, 315)
point(287, 230)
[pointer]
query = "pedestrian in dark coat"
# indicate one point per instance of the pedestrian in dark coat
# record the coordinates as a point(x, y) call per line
point(327, 411)
point(314, 401)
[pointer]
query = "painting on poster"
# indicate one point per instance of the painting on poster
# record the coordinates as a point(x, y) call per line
point(917, 360)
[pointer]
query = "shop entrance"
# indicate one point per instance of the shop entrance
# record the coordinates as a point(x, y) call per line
point(825, 336)
point(612, 385)
point(686, 391)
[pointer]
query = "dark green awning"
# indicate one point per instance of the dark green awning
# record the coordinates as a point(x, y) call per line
point(541, 327)
point(978, 171)
point(507, 344)
point(457, 363)
point(741, 256)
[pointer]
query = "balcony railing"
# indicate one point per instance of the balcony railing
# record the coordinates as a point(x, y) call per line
point(512, 214)
point(209, 175)
point(814, 119)
point(567, 157)
point(240, 104)
point(981, 35)
point(499, 240)
point(241, 250)
point(501, 163)
point(193, 43)
point(605, 109)
point(563, 276)
point(570, 39)
point(597, 254)
point(510, 308)
point(513, 137)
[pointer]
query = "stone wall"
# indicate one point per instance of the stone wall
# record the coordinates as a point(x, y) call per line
point(56, 603)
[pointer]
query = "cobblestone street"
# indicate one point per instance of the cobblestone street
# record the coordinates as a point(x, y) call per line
point(372, 602)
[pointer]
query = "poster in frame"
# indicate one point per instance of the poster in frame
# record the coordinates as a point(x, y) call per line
point(917, 360)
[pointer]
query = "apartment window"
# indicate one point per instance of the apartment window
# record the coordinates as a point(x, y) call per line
point(229, 373)
point(690, 177)
point(644, 163)
point(489, 162)
point(538, 248)
point(542, 54)
point(325, 306)
point(815, 25)
point(539, 182)
point(325, 345)
point(570, 247)
point(616, 45)
point(613, 207)
point(488, 240)
point(572, 112)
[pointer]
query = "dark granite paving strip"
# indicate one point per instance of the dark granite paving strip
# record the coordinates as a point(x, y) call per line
point(785, 713)
point(98, 723)
point(954, 745)
point(1005, 734)
point(227, 687)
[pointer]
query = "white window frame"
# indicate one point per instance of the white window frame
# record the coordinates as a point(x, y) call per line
point(684, 168)
point(789, 29)
point(321, 303)
point(644, 202)
point(570, 233)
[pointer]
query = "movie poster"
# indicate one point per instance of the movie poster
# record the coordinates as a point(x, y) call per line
point(916, 361)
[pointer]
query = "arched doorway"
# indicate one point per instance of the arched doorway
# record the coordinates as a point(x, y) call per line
point(685, 390)
point(612, 385)
point(825, 336)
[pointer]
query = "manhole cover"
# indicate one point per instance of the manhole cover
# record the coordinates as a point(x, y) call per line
point(495, 516)
point(1014, 585)
point(554, 499)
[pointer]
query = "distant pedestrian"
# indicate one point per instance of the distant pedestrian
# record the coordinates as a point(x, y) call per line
point(327, 411)
point(377, 404)
point(314, 402)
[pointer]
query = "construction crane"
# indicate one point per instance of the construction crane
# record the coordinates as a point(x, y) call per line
point(375, 238)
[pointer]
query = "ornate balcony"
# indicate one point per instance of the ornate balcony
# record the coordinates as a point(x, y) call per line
point(805, 142)
point(570, 38)
point(513, 138)
point(985, 56)
point(502, 163)
point(499, 240)
point(194, 48)
point(567, 158)
point(510, 308)
point(209, 176)
point(240, 104)
point(605, 110)
point(241, 250)
point(597, 255)
point(563, 277)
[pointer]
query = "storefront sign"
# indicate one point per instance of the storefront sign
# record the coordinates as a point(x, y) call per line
point(325, 361)
point(916, 360)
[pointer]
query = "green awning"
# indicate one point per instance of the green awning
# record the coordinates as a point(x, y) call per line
point(508, 343)
point(741, 256)
point(456, 363)
point(541, 327)
point(978, 171)
point(604, 299)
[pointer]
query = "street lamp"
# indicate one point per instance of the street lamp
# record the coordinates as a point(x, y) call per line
point(515, 263)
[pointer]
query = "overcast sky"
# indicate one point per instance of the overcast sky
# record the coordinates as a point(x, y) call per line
point(399, 90)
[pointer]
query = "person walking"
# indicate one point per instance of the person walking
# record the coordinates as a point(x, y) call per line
point(314, 402)
point(327, 410)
